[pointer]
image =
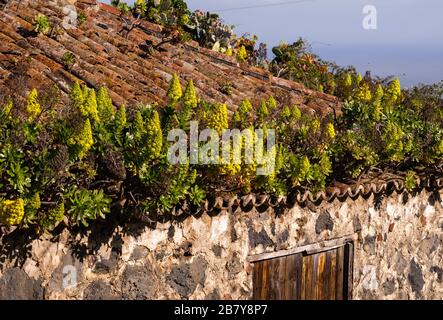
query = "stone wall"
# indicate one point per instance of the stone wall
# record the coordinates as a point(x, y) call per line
point(398, 254)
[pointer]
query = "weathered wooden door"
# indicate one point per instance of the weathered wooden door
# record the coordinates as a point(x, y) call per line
point(325, 275)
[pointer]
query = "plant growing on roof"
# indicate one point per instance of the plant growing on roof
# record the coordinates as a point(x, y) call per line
point(106, 110)
point(154, 136)
point(242, 54)
point(175, 90)
point(217, 117)
point(119, 124)
point(190, 103)
point(263, 112)
point(90, 107)
point(33, 108)
point(82, 140)
point(81, 18)
point(42, 24)
point(68, 60)
point(242, 114)
point(392, 94)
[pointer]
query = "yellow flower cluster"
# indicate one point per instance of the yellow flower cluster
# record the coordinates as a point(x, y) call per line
point(154, 136)
point(218, 118)
point(315, 125)
point(83, 140)
point(330, 131)
point(33, 107)
point(175, 90)
point(230, 168)
point(85, 101)
point(303, 168)
point(263, 111)
point(393, 92)
point(90, 106)
point(242, 54)
point(378, 98)
point(393, 137)
point(272, 103)
point(104, 104)
point(363, 93)
point(242, 112)
point(120, 119)
point(12, 212)
point(347, 82)
point(190, 98)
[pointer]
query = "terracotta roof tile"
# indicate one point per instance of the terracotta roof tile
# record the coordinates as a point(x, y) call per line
point(105, 57)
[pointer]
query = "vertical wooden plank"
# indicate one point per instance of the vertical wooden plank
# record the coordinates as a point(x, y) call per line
point(348, 271)
point(298, 260)
point(333, 274)
point(275, 278)
point(271, 279)
point(326, 293)
point(314, 277)
point(319, 285)
point(339, 285)
point(264, 281)
point(290, 281)
point(257, 280)
point(282, 277)
point(307, 276)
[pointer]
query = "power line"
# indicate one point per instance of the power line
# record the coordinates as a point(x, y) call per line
point(279, 4)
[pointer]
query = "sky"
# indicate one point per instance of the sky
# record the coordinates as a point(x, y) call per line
point(407, 41)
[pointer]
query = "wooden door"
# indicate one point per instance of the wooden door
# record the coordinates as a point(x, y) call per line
point(325, 275)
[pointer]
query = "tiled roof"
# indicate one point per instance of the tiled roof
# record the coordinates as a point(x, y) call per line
point(377, 183)
point(106, 58)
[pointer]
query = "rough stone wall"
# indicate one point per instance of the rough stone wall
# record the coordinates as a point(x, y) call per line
point(398, 254)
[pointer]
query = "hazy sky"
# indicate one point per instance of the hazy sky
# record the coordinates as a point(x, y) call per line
point(408, 41)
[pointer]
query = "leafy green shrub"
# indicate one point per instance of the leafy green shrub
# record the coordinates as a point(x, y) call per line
point(84, 205)
point(90, 154)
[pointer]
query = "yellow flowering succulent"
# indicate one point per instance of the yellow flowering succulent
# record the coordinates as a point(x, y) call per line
point(242, 112)
point(315, 125)
point(272, 103)
point(83, 140)
point(392, 92)
point(90, 106)
point(218, 118)
point(104, 104)
point(33, 107)
point(12, 212)
point(363, 93)
point(330, 131)
point(175, 90)
point(190, 98)
point(154, 136)
point(347, 82)
point(242, 54)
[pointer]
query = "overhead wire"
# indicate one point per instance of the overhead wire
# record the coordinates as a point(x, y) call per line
point(278, 4)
